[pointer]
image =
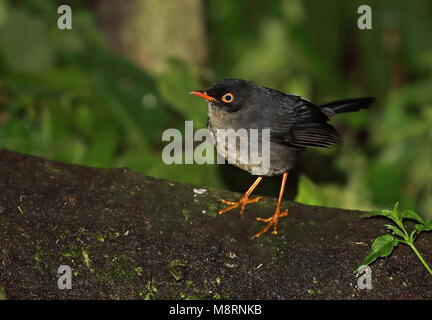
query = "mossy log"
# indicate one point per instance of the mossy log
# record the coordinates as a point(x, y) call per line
point(129, 236)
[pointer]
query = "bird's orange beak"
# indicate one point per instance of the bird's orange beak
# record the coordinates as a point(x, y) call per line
point(204, 95)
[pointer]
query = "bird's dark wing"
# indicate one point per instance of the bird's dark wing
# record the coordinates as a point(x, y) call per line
point(298, 124)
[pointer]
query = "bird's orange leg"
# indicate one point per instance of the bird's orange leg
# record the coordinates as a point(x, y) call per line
point(273, 221)
point(243, 200)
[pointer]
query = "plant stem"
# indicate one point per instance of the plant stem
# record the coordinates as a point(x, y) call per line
point(420, 257)
point(404, 230)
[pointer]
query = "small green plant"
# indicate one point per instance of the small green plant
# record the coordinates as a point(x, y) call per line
point(383, 245)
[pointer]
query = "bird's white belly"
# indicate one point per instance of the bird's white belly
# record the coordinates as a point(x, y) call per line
point(247, 155)
point(274, 160)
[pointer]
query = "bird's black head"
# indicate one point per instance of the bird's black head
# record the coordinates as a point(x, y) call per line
point(228, 94)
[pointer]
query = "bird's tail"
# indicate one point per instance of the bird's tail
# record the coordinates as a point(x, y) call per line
point(348, 105)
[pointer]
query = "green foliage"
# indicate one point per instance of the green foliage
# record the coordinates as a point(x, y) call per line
point(384, 244)
point(381, 247)
point(175, 86)
point(66, 97)
point(310, 193)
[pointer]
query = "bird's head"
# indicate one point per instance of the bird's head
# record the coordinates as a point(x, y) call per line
point(230, 95)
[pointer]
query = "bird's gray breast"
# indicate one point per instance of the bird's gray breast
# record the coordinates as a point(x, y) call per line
point(247, 148)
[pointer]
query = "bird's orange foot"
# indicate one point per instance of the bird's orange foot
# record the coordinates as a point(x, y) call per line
point(241, 203)
point(272, 221)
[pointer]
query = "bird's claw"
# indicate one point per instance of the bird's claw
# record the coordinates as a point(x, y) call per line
point(272, 221)
point(242, 203)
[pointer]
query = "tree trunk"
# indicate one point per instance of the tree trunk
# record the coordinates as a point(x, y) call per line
point(150, 32)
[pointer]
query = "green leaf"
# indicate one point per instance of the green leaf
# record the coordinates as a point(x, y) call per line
point(381, 247)
point(396, 230)
point(408, 214)
point(391, 214)
point(427, 226)
point(395, 211)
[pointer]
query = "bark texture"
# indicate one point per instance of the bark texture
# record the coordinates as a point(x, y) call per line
point(129, 236)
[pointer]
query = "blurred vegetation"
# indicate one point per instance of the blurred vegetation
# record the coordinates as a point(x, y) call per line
point(65, 95)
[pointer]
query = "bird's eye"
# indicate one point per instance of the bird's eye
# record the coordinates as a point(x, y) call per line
point(228, 97)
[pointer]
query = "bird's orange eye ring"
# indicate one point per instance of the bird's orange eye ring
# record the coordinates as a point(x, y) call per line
point(228, 97)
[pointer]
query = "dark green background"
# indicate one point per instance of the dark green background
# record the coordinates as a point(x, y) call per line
point(66, 96)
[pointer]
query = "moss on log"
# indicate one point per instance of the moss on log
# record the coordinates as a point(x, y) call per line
point(129, 236)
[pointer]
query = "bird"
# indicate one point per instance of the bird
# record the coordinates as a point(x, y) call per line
point(294, 124)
